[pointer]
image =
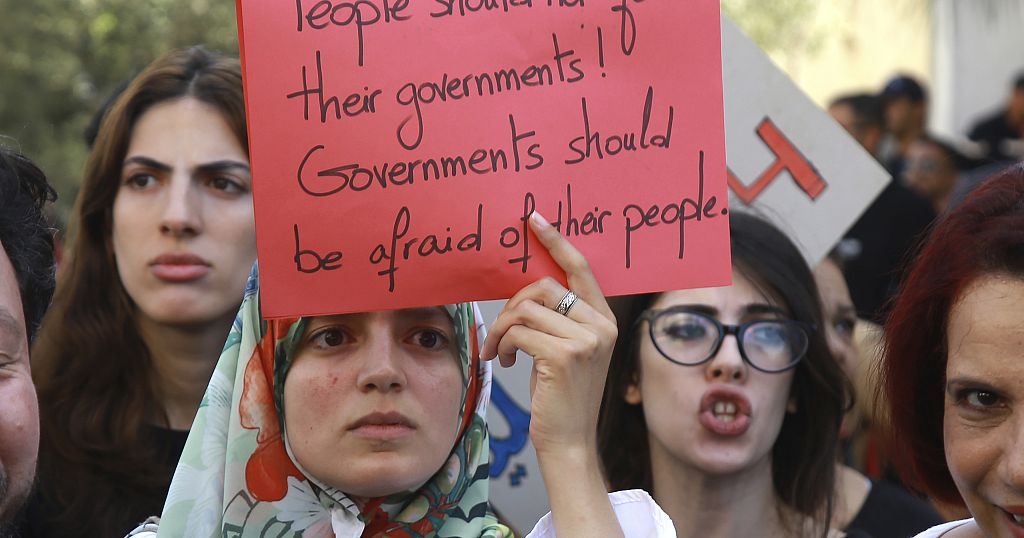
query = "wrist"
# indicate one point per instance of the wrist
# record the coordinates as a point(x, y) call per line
point(580, 462)
point(577, 492)
point(568, 454)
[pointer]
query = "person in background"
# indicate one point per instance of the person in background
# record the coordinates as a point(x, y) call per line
point(875, 507)
point(875, 246)
point(905, 108)
point(861, 115)
point(932, 171)
point(953, 371)
point(725, 403)
point(162, 239)
point(1002, 133)
point(26, 286)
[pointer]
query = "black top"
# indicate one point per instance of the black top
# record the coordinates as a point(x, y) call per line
point(891, 512)
point(992, 131)
point(171, 443)
point(168, 445)
point(878, 244)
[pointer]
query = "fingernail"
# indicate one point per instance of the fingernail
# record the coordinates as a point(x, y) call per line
point(539, 219)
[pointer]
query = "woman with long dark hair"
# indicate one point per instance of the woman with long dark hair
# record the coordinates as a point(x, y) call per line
point(725, 403)
point(163, 239)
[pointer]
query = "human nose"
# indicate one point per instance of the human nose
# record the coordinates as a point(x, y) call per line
point(1012, 468)
point(381, 366)
point(727, 364)
point(182, 214)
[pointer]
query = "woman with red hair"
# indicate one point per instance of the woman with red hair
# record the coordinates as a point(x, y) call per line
point(953, 374)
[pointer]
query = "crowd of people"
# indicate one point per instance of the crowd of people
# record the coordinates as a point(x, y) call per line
point(930, 174)
point(152, 399)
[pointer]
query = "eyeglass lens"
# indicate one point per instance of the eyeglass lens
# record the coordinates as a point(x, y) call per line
point(690, 338)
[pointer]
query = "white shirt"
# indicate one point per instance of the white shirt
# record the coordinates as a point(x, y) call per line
point(639, 517)
point(939, 530)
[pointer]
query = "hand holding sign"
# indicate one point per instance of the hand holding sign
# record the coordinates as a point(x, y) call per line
point(570, 351)
point(570, 354)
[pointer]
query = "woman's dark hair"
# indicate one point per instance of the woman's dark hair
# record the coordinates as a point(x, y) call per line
point(804, 454)
point(91, 366)
point(24, 234)
point(984, 235)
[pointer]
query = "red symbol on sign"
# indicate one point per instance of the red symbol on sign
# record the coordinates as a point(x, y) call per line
point(788, 159)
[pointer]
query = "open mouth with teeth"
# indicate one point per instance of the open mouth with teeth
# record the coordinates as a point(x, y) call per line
point(725, 412)
point(1016, 521)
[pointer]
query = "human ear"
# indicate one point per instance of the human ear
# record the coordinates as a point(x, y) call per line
point(791, 405)
point(632, 393)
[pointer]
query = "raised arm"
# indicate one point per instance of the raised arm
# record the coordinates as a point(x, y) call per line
point(570, 353)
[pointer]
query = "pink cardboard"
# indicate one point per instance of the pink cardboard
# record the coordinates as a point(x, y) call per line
point(398, 146)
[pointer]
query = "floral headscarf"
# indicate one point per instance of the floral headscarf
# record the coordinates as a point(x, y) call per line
point(237, 477)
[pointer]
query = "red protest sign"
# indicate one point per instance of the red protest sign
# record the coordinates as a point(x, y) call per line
point(398, 147)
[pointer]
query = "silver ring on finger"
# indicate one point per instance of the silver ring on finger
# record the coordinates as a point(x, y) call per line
point(566, 303)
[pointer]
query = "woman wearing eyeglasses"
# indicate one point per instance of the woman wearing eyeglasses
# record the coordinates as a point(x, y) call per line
point(725, 403)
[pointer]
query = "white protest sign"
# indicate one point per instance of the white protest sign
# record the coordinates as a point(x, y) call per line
point(788, 161)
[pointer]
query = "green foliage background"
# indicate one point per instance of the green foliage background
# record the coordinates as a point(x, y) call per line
point(772, 24)
point(61, 59)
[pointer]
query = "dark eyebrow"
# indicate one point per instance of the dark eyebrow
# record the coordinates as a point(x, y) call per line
point(148, 163)
point(221, 166)
point(426, 312)
point(205, 168)
point(966, 381)
point(698, 308)
point(407, 313)
point(847, 309)
point(762, 308)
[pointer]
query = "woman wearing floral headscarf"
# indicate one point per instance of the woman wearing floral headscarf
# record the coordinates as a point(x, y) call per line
point(372, 424)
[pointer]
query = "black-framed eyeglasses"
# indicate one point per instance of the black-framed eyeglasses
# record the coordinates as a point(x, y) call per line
point(690, 338)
